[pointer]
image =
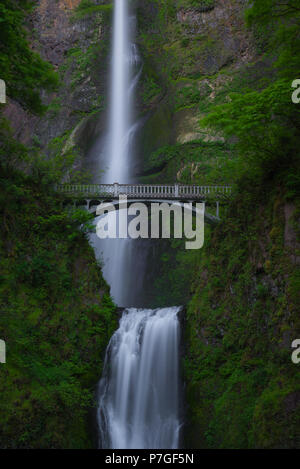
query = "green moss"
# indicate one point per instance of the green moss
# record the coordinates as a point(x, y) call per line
point(88, 7)
point(196, 161)
point(238, 363)
point(156, 131)
point(56, 313)
point(199, 5)
point(23, 70)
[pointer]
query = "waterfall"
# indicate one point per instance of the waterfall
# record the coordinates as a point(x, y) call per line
point(126, 69)
point(120, 116)
point(138, 393)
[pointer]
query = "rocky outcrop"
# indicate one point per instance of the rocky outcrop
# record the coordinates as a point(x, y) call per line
point(222, 28)
point(76, 45)
point(191, 58)
point(55, 33)
point(225, 21)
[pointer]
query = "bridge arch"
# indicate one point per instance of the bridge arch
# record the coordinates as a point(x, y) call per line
point(92, 208)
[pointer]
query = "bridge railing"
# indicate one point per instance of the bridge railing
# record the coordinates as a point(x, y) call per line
point(143, 190)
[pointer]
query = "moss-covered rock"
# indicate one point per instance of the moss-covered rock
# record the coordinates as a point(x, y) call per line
point(242, 387)
point(56, 319)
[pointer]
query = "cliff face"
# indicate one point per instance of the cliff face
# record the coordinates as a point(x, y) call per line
point(193, 59)
point(184, 49)
point(192, 55)
point(76, 42)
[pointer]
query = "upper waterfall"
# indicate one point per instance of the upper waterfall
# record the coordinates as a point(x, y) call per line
point(118, 146)
point(123, 57)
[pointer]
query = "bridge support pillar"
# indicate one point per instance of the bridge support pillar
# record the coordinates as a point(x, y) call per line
point(218, 209)
point(88, 203)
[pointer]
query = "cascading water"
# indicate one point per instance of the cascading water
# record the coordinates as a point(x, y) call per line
point(138, 393)
point(138, 403)
point(120, 116)
point(125, 71)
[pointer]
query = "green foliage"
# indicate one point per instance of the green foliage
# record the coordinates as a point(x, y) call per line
point(241, 383)
point(56, 313)
point(242, 390)
point(266, 124)
point(243, 287)
point(200, 5)
point(196, 161)
point(150, 90)
point(264, 121)
point(83, 61)
point(282, 19)
point(23, 70)
point(187, 95)
point(88, 7)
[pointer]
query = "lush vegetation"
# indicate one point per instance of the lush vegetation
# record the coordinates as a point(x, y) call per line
point(243, 389)
point(23, 70)
point(201, 5)
point(243, 288)
point(88, 7)
point(56, 315)
point(265, 121)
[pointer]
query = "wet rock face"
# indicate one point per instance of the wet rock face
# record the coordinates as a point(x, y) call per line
point(76, 47)
point(223, 10)
point(20, 121)
point(56, 33)
point(224, 26)
point(194, 53)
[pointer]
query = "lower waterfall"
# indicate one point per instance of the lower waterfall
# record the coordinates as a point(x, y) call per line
point(138, 393)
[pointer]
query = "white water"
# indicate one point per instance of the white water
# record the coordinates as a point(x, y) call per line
point(125, 72)
point(120, 117)
point(138, 403)
point(138, 393)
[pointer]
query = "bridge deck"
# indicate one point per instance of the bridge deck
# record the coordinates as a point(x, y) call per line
point(161, 191)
